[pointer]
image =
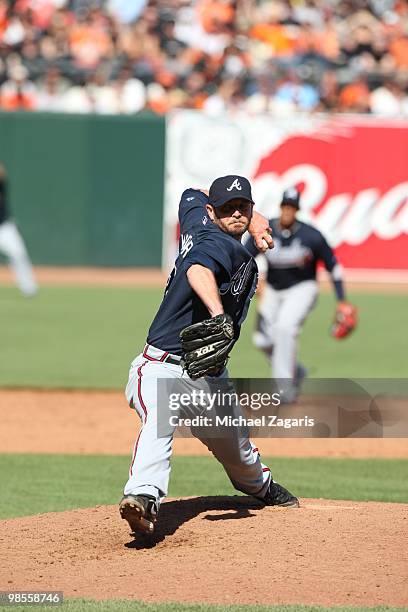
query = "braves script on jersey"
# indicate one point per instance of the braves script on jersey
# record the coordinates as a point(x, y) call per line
point(202, 242)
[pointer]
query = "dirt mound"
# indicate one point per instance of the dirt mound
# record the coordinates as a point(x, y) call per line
point(216, 550)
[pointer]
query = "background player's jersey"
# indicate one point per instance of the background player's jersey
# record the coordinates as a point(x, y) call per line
point(3, 201)
point(202, 242)
point(296, 253)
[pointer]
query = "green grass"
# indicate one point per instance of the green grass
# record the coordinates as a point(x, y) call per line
point(376, 349)
point(86, 337)
point(60, 482)
point(72, 337)
point(80, 605)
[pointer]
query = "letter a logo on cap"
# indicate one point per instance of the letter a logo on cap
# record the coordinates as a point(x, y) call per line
point(235, 185)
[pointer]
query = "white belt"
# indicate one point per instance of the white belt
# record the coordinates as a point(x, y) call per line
point(151, 353)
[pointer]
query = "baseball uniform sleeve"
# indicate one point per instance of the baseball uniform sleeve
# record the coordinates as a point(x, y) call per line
point(210, 254)
point(326, 254)
point(249, 244)
point(192, 212)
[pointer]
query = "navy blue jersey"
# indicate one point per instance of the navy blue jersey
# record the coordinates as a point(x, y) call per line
point(3, 201)
point(296, 253)
point(202, 242)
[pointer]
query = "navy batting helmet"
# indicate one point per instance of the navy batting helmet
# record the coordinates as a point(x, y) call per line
point(291, 197)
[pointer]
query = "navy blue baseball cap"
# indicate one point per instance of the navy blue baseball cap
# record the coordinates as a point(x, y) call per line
point(226, 188)
point(291, 197)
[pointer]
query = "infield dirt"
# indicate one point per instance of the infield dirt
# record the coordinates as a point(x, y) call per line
point(100, 422)
point(365, 281)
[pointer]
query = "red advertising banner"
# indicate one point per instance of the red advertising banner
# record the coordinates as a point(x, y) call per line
point(354, 177)
point(352, 171)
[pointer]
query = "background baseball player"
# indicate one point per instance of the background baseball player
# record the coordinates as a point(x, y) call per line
point(205, 302)
point(12, 244)
point(290, 290)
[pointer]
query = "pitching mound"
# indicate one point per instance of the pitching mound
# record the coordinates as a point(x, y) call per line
point(216, 550)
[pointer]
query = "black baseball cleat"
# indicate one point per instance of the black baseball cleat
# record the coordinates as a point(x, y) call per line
point(140, 511)
point(279, 496)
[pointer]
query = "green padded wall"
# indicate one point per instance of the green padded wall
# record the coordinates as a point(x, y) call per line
point(86, 190)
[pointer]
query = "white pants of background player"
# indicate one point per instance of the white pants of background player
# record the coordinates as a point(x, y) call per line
point(12, 245)
point(150, 468)
point(281, 316)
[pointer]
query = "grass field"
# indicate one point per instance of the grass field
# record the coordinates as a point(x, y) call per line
point(86, 481)
point(86, 337)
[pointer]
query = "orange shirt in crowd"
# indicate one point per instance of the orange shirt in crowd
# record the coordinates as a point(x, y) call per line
point(12, 100)
point(160, 106)
point(354, 96)
point(274, 35)
point(324, 43)
point(399, 51)
point(214, 14)
point(3, 16)
point(89, 44)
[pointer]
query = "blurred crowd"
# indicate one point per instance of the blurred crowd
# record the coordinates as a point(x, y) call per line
point(277, 56)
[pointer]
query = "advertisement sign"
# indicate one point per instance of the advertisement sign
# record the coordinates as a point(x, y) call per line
point(352, 171)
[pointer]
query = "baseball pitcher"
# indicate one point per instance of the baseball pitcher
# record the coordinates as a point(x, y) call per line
point(204, 305)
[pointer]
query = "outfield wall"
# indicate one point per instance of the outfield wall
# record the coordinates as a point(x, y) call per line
point(86, 190)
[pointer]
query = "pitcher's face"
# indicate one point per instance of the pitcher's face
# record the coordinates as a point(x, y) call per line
point(233, 217)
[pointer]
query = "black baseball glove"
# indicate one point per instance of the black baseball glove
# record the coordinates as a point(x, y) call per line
point(206, 346)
